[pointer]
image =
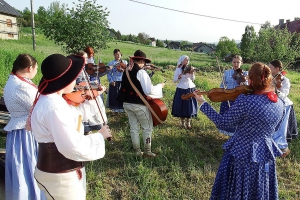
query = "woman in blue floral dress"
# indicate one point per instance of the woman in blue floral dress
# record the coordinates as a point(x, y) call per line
point(248, 168)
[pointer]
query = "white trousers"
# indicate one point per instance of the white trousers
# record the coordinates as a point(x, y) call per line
point(139, 116)
point(62, 186)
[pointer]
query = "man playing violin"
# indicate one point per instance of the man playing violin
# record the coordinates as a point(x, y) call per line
point(288, 127)
point(114, 77)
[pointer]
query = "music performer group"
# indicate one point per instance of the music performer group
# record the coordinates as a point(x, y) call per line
point(48, 140)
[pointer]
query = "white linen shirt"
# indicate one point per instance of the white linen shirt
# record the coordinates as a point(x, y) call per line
point(186, 80)
point(284, 91)
point(53, 120)
point(153, 91)
point(18, 96)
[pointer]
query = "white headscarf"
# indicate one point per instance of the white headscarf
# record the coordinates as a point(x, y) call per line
point(181, 58)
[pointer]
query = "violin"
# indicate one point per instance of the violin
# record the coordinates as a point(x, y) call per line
point(221, 94)
point(150, 66)
point(277, 80)
point(91, 69)
point(77, 97)
point(121, 66)
point(189, 69)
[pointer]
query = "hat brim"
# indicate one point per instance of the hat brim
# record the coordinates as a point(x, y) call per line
point(78, 62)
point(138, 57)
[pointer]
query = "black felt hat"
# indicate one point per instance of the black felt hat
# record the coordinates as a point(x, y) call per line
point(138, 54)
point(59, 71)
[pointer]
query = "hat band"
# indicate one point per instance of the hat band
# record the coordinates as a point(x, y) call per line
point(139, 57)
point(45, 83)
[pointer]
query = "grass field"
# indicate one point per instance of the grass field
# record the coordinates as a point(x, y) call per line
point(188, 159)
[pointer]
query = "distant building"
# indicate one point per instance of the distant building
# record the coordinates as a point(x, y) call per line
point(174, 45)
point(152, 42)
point(8, 21)
point(292, 26)
point(202, 48)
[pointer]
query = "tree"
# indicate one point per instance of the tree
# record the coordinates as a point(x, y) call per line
point(118, 35)
point(143, 37)
point(226, 46)
point(159, 43)
point(26, 19)
point(40, 16)
point(277, 44)
point(248, 43)
point(78, 27)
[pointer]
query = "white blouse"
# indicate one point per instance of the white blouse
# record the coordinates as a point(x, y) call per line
point(186, 80)
point(53, 120)
point(284, 91)
point(18, 96)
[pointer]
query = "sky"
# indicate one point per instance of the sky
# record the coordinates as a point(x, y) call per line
point(185, 19)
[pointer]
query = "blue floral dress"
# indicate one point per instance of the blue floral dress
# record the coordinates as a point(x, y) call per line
point(248, 169)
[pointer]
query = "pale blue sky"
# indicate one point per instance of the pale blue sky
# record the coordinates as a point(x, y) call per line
point(132, 18)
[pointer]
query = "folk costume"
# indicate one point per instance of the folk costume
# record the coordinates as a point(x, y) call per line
point(185, 85)
point(229, 82)
point(63, 148)
point(248, 167)
point(114, 75)
point(136, 110)
point(288, 129)
point(21, 147)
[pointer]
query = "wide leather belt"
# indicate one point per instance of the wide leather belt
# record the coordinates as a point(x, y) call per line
point(52, 161)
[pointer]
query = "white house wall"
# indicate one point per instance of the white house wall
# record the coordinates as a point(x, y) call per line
point(5, 30)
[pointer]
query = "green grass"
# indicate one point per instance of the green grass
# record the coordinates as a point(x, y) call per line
point(188, 159)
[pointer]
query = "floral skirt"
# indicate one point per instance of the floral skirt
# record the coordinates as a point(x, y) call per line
point(243, 179)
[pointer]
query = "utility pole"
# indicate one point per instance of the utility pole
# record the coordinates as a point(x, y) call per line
point(33, 26)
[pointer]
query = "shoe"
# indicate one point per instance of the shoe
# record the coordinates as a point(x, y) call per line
point(285, 153)
point(149, 155)
point(139, 153)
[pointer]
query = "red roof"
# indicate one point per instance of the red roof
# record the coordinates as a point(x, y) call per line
point(293, 26)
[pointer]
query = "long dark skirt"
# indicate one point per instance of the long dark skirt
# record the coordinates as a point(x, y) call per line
point(113, 92)
point(223, 108)
point(292, 129)
point(184, 108)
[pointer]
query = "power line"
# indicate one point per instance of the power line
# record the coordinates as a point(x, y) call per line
point(195, 13)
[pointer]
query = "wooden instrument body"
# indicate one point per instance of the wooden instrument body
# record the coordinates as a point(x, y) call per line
point(160, 109)
point(221, 94)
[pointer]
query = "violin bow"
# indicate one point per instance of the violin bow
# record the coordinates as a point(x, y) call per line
point(222, 77)
point(95, 98)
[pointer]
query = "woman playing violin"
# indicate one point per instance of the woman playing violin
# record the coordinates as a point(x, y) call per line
point(248, 166)
point(92, 118)
point(95, 75)
point(231, 80)
point(288, 128)
point(115, 78)
point(184, 109)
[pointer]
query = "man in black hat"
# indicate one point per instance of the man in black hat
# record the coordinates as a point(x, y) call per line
point(57, 127)
point(137, 111)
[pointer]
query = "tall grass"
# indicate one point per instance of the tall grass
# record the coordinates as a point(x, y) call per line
point(188, 159)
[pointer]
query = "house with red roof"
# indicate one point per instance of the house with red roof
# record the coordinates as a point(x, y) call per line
point(292, 26)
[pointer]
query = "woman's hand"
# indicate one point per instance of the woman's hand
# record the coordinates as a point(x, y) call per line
point(179, 77)
point(200, 98)
point(105, 131)
point(113, 83)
